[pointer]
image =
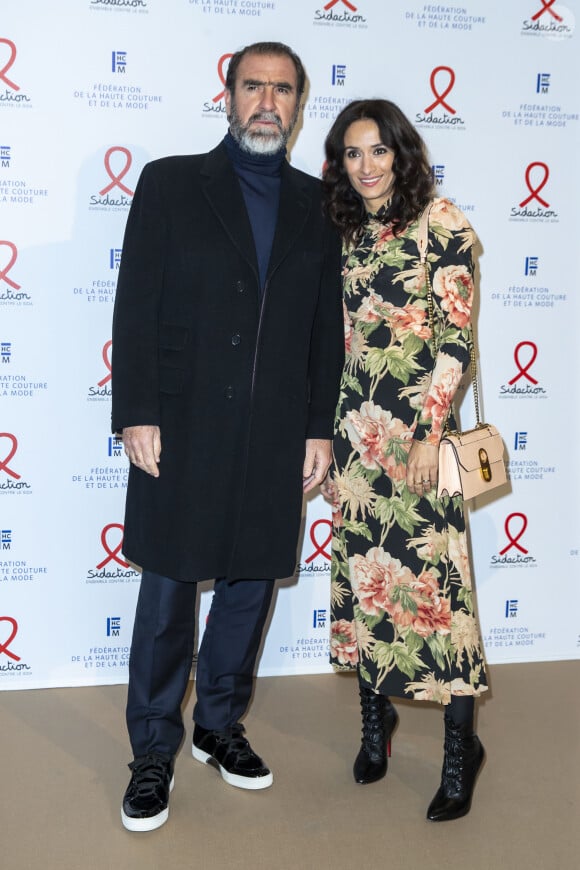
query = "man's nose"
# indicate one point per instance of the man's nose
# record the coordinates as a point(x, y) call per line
point(267, 98)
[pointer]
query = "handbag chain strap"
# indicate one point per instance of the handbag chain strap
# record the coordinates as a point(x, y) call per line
point(423, 244)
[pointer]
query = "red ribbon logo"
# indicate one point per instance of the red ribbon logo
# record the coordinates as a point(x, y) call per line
point(6, 67)
point(523, 369)
point(332, 3)
point(4, 646)
point(4, 462)
point(112, 554)
point(546, 4)
point(13, 258)
point(534, 191)
point(116, 179)
point(440, 97)
point(106, 359)
point(513, 541)
point(221, 63)
point(319, 549)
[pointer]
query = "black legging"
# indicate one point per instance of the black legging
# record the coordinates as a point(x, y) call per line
point(461, 709)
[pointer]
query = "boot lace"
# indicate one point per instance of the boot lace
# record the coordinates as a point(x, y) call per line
point(459, 758)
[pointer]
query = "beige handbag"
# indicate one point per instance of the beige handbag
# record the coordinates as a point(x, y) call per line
point(471, 463)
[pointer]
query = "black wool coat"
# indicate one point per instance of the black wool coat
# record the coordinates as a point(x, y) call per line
point(235, 384)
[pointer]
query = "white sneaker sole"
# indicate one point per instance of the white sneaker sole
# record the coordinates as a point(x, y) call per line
point(150, 824)
point(248, 782)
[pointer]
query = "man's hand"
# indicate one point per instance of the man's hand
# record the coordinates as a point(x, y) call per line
point(316, 462)
point(143, 447)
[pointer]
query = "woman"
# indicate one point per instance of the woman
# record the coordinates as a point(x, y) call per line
point(402, 604)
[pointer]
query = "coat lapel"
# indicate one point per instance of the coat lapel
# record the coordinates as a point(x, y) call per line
point(224, 195)
point(293, 211)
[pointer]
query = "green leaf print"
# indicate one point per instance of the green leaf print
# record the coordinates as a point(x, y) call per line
point(451, 336)
point(367, 618)
point(457, 502)
point(475, 675)
point(408, 662)
point(367, 329)
point(402, 595)
point(384, 510)
point(376, 361)
point(340, 552)
point(383, 655)
point(466, 596)
point(338, 568)
point(359, 528)
point(352, 383)
point(439, 644)
point(414, 641)
point(399, 449)
point(412, 344)
point(406, 518)
point(364, 674)
point(396, 258)
point(410, 500)
point(435, 502)
point(399, 365)
point(443, 233)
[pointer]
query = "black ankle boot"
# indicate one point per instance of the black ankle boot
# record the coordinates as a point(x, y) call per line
point(379, 720)
point(461, 762)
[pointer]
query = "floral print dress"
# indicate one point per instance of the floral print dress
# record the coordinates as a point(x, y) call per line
point(402, 601)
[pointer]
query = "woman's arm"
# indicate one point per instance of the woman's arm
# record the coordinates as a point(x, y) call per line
point(450, 258)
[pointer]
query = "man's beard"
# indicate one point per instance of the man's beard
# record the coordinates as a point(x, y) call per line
point(260, 141)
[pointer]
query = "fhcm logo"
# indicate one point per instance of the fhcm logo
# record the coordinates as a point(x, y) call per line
point(113, 626)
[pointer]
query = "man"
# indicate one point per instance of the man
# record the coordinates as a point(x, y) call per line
point(227, 353)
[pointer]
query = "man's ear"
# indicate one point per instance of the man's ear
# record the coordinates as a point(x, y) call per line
point(228, 102)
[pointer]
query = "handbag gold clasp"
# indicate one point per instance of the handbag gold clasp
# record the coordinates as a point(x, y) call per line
point(485, 467)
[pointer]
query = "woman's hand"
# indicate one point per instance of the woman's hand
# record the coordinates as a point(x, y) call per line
point(422, 467)
point(328, 489)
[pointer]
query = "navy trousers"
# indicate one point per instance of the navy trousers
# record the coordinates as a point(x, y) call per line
point(162, 650)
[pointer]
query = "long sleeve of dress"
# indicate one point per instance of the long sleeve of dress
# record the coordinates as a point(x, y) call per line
point(450, 259)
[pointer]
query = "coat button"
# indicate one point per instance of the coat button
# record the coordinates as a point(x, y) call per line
point(236, 339)
point(240, 286)
point(229, 392)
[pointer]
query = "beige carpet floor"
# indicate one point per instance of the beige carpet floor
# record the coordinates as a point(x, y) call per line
point(63, 755)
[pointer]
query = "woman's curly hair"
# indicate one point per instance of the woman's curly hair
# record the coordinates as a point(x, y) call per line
point(413, 184)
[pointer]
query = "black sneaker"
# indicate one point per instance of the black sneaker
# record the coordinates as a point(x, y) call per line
point(232, 755)
point(145, 805)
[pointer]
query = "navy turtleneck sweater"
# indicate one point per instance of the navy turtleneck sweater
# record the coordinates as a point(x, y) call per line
point(259, 176)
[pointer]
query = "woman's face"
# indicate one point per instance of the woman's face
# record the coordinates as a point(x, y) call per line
point(368, 163)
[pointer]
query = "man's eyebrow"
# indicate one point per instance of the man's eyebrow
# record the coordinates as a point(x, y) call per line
point(259, 83)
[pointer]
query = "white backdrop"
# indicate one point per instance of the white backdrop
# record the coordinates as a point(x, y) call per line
point(90, 90)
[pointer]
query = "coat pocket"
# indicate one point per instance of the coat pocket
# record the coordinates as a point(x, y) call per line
point(172, 342)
